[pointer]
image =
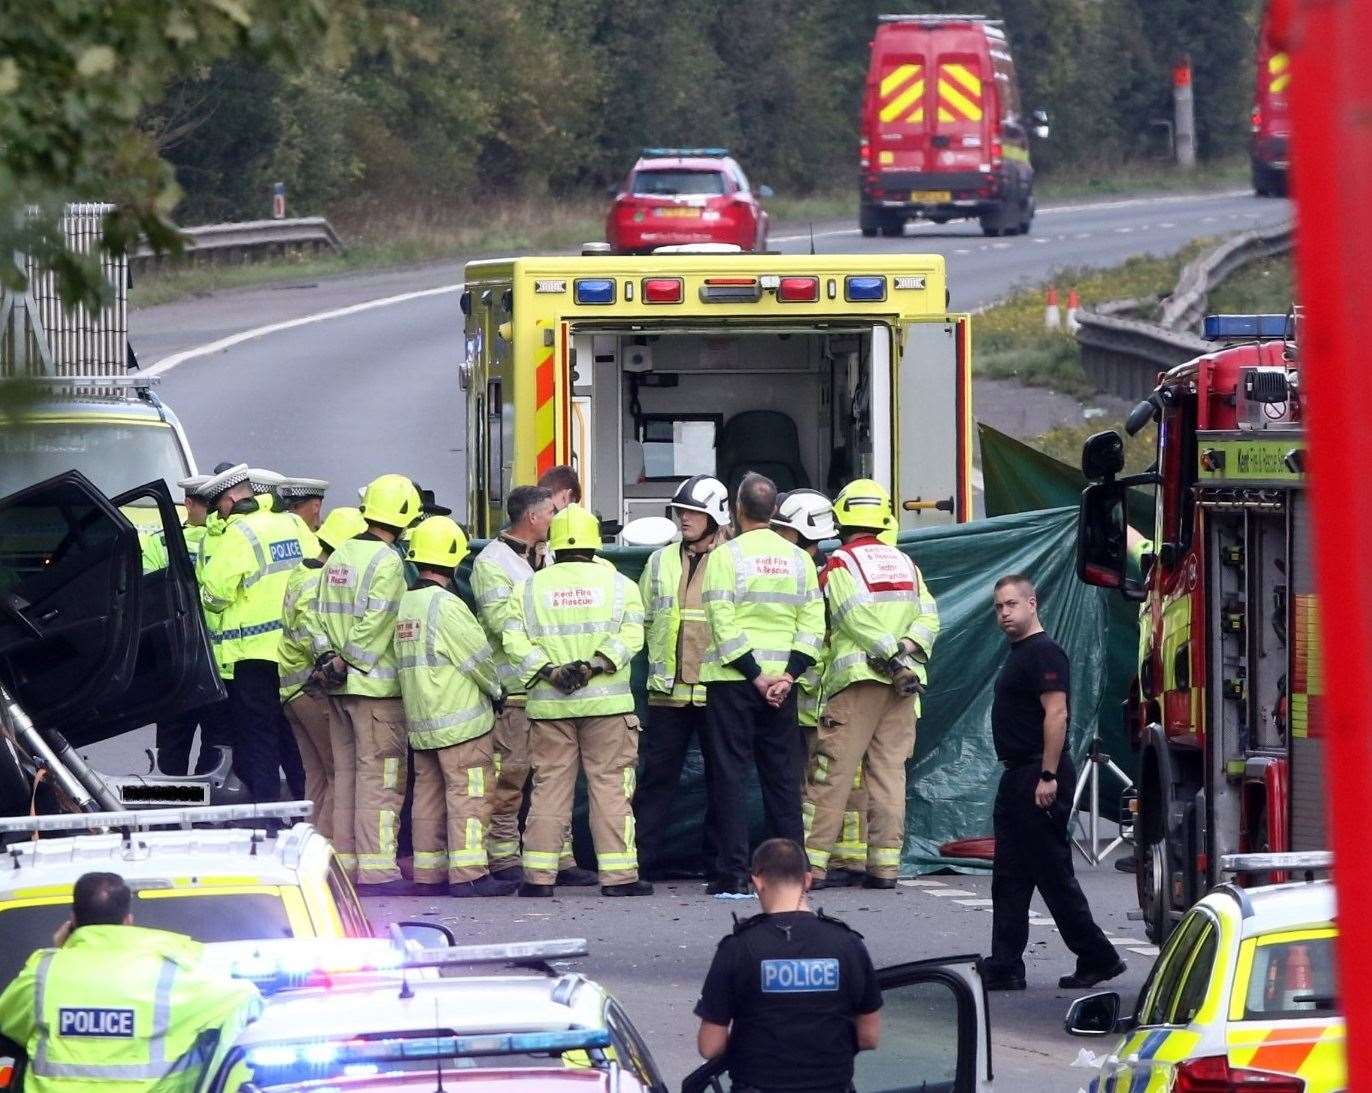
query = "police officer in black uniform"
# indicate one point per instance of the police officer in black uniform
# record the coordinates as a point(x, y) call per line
point(1029, 718)
point(791, 996)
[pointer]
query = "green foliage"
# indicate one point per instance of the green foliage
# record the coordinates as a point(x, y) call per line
point(1260, 288)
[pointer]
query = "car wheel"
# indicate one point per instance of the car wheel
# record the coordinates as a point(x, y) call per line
point(1150, 877)
point(892, 226)
point(1026, 216)
point(867, 221)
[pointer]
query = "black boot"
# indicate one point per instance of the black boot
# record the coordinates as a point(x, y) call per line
point(530, 889)
point(628, 888)
point(879, 882)
point(510, 872)
point(390, 888)
point(485, 885)
point(576, 877)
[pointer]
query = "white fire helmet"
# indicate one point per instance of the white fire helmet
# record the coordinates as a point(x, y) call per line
point(807, 512)
point(702, 493)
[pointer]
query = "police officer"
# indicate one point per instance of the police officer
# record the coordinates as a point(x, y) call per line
point(305, 498)
point(175, 737)
point(302, 644)
point(448, 682)
point(511, 557)
point(250, 553)
point(573, 630)
point(116, 1006)
point(806, 517)
point(766, 618)
point(1029, 719)
point(791, 996)
point(359, 600)
point(678, 638)
point(882, 625)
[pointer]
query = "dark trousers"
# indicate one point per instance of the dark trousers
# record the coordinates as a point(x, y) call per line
point(174, 739)
point(1033, 851)
point(662, 749)
point(216, 731)
point(255, 720)
point(741, 730)
point(291, 764)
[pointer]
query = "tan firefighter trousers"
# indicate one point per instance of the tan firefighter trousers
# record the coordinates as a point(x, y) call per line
point(869, 719)
point(850, 852)
point(452, 808)
point(309, 716)
point(511, 741)
point(606, 747)
point(369, 754)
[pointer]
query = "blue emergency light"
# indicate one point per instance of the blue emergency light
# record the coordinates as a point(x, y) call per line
point(1227, 327)
point(595, 290)
point(703, 153)
point(864, 289)
point(350, 1053)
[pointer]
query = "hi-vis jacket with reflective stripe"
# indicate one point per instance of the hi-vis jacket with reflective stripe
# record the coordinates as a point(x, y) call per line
point(447, 670)
point(495, 573)
point(120, 1009)
point(570, 612)
point(660, 587)
point(876, 596)
point(359, 598)
point(251, 554)
point(761, 597)
point(302, 636)
point(194, 534)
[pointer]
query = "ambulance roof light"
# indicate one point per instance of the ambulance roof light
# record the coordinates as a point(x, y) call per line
point(141, 819)
point(864, 289)
point(595, 290)
point(1231, 327)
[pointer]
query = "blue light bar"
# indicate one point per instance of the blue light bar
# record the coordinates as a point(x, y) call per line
point(666, 153)
point(1222, 327)
point(325, 1054)
point(595, 290)
point(862, 289)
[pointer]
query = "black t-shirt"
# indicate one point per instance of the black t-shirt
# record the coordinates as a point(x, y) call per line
point(1036, 665)
point(792, 984)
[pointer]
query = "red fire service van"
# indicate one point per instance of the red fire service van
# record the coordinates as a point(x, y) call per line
point(1271, 120)
point(944, 136)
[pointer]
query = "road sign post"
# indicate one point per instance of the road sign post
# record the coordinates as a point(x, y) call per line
point(279, 201)
point(1184, 111)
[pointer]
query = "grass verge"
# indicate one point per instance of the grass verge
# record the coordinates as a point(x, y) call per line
point(1010, 339)
point(1063, 443)
point(1260, 288)
point(1150, 177)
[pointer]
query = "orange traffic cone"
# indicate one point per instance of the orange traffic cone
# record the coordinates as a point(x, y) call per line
point(1073, 309)
point(1052, 314)
point(1300, 980)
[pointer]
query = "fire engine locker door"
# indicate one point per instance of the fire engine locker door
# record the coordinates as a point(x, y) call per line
point(932, 422)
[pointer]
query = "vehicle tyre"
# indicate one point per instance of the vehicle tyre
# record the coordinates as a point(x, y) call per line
point(892, 225)
point(994, 223)
point(867, 221)
point(1026, 221)
point(1150, 878)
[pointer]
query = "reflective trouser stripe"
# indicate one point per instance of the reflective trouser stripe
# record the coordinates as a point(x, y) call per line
point(541, 861)
point(476, 781)
point(819, 859)
point(390, 773)
point(883, 855)
point(431, 860)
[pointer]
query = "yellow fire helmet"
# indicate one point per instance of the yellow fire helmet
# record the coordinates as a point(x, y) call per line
point(391, 500)
point(438, 541)
point(888, 536)
point(574, 529)
point(863, 503)
point(342, 524)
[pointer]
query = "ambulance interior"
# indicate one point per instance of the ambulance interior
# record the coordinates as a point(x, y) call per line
point(796, 404)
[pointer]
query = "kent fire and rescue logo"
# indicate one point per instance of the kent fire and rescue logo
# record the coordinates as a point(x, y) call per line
point(340, 576)
point(769, 565)
point(407, 630)
point(574, 599)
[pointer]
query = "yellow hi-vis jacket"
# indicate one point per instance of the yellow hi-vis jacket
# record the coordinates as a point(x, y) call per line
point(244, 580)
point(570, 612)
point(876, 596)
point(447, 670)
point(302, 636)
point(359, 598)
point(674, 627)
point(122, 1009)
point(761, 597)
point(495, 573)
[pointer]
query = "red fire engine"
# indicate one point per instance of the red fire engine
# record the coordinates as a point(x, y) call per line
point(1225, 709)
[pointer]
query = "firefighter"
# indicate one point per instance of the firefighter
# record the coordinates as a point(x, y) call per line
point(305, 498)
point(449, 683)
point(678, 636)
point(766, 618)
point(359, 599)
point(806, 517)
point(251, 552)
point(302, 642)
point(573, 630)
point(513, 556)
point(175, 737)
point(883, 622)
point(115, 1006)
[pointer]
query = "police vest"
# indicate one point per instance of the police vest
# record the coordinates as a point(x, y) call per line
point(876, 596)
point(570, 612)
point(123, 1009)
point(678, 632)
point(359, 597)
point(447, 670)
point(761, 597)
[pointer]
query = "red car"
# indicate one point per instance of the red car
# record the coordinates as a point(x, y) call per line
point(677, 196)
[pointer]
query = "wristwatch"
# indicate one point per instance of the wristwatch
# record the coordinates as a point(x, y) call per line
point(1047, 776)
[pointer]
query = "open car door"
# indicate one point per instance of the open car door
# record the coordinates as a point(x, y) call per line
point(935, 1033)
point(70, 589)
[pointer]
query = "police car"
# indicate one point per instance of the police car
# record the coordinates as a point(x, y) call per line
point(1243, 995)
point(394, 1029)
point(211, 883)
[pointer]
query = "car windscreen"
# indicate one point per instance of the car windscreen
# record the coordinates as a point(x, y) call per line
point(237, 917)
point(674, 182)
point(116, 457)
point(1295, 978)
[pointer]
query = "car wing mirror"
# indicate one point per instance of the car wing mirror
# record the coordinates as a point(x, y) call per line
point(1093, 1015)
point(427, 935)
point(705, 1077)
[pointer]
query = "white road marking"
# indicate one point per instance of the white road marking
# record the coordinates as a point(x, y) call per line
point(973, 902)
point(950, 892)
point(1144, 950)
point(922, 882)
point(166, 364)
